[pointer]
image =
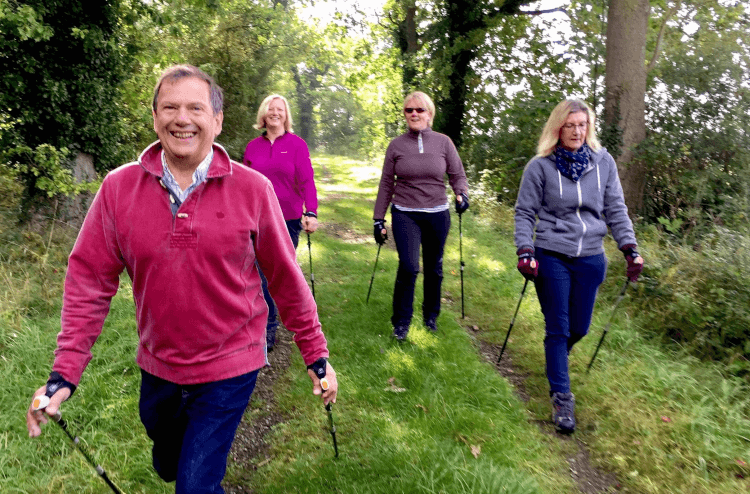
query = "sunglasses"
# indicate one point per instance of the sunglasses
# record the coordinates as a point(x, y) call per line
point(418, 110)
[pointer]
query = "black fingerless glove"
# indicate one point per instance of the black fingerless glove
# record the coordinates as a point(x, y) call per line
point(378, 227)
point(463, 205)
point(319, 367)
point(56, 382)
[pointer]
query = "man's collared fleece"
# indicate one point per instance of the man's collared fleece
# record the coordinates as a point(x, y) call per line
point(286, 163)
point(200, 310)
point(573, 216)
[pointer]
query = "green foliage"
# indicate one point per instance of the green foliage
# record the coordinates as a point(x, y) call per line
point(700, 298)
point(44, 169)
point(697, 153)
point(63, 63)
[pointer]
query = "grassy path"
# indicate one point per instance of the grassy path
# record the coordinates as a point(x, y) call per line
point(429, 416)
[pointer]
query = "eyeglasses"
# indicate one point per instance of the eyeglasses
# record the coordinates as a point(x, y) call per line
point(418, 110)
point(571, 126)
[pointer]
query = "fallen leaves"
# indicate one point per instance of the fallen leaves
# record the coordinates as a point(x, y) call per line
point(476, 451)
point(392, 386)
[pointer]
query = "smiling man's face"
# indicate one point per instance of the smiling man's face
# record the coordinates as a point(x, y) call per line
point(185, 122)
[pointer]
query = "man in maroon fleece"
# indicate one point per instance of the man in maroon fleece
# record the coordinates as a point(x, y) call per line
point(188, 225)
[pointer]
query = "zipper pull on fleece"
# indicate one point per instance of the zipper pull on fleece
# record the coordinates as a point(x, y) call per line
point(421, 146)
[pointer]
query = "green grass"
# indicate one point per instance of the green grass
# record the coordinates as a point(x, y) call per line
point(426, 416)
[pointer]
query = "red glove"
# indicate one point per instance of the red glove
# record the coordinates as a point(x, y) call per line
point(527, 264)
point(635, 261)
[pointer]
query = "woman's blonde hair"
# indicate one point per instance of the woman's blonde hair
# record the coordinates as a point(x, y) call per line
point(260, 122)
point(425, 101)
point(551, 132)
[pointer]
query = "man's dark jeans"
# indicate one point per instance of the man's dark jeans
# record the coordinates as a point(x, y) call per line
point(192, 427)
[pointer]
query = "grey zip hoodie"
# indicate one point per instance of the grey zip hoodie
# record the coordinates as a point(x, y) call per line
point(572, 216)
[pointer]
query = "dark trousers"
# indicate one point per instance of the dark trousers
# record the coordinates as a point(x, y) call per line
point(294, 227)
point(566, 287)
point(410, 230)
point(193, 427)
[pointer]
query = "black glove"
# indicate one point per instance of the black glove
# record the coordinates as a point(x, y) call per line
point(56, 382)
point(631, 255)
point(463, 205)
point(378, 228)
point(319, 367)
point(528, 266)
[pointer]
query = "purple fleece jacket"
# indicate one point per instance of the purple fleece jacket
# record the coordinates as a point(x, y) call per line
point(199, 307)
point(417, 180)
point(286, 163)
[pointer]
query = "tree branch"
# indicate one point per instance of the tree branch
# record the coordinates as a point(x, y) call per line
point(667, 15)
point(546, 11)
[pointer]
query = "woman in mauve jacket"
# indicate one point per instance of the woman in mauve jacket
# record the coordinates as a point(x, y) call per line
point(413, 180)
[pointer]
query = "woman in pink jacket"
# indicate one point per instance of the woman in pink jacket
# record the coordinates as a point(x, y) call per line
point(284, 159)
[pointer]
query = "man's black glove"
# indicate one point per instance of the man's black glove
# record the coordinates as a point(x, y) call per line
point(380, 237)
point(319, 367)
point(463, 205)
point(56, 382)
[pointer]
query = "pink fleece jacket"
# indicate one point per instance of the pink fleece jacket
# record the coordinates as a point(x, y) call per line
point(287, 165)
point(199, 306)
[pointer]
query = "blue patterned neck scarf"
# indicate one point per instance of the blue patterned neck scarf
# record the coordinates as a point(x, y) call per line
point(572, 164)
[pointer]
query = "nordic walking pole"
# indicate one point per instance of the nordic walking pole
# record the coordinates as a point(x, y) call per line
point(461, 254)
point(39, 404)
point(513, 321)
point(333, 429)
point(606, 328)
point(324, 386)
point(312, 276)
point(373, 273)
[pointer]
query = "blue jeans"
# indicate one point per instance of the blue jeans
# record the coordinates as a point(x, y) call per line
point(193, 427)
point(294, 227)
point(410, 230)
point(566, 287)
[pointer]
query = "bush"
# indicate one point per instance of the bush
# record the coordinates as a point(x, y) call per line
point(700, 296)
point(10, 200)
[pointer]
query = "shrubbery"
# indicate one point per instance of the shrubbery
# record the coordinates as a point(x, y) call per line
point(699, 296)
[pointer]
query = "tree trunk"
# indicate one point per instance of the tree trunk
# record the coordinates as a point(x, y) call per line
point(305, 125)
point(625, 80)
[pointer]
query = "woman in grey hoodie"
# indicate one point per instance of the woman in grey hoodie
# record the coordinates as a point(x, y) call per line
point(570, 193)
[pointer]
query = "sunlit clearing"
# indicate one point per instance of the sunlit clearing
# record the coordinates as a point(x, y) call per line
point(397, 360)
point(355, 190)
point(363, 173)
point(423, 338)
point(491, 265)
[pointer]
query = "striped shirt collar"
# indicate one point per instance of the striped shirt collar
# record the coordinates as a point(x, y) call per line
point(199, 176)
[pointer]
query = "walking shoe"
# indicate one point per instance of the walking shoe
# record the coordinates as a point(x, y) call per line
point(431, 325)
point(563, 412)
point(399, 332)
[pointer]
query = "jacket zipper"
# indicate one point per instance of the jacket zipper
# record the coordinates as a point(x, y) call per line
point(583, 223)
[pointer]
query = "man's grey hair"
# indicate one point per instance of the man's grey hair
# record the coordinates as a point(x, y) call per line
point(177, 72)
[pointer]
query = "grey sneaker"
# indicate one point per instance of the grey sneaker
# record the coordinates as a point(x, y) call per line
point(399, 332)
point(563, 412)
